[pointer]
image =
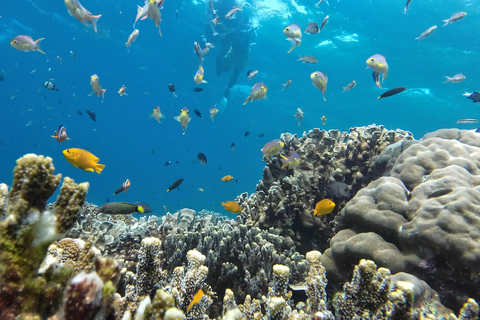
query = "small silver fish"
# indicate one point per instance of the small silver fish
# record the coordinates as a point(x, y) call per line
point(286, 85)
point(299, 115)
point(426, 33)
point(131, 38)
point(459, 77)
point(308, 59)
point(467, 121)
point(324, 22)
point(25, 43)
point(455, 17)
point(350, 86)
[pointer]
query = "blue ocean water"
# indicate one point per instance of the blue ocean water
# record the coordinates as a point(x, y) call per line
point(133, 145)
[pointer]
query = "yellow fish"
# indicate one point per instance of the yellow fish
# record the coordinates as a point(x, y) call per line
point(273, 148)
point(232, 206)
point(319, 80)
point(183, 118)
point(227, 178)
point(258, 92)
point(83, 159)
point(198, 78)
point(157, 114)
point(323, 207)
point(196, 299)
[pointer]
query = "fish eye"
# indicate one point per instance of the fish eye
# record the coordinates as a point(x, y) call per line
point(372, 59)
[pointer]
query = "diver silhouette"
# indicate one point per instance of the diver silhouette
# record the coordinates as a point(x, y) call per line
point(234, 36)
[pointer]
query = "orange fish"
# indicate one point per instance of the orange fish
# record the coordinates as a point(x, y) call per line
point(232, 206)
point(227, 178)
point(196, 299)
point(323, 207)
point(83, 159)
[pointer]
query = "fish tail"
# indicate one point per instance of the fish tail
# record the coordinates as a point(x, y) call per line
point(99, 168)
point(93, 21)
point(37, 46)
point(446, 22)
point(448, 79)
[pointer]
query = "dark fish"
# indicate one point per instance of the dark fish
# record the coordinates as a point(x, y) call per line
point(324, 22)
point(124, 187)
point(171, 87)
point(177, 162)
point(439, 193)
point(261, 135)
point(146, 207)
point(232, 146)
point(312, 28)
point(406, 6)
point(49, 85)
point(467, 121)
point(80, 112)
point(175, 184)
point(167, 163)
point(197, 113)
point(339, 190)
point(1, 77)
point(120, 208)
point(108, 200)
point(197, 89)
point(202, 158)
point(247, 133)
point(392, 92)
point(152, 151)
point(475, 96)
point(92, 115)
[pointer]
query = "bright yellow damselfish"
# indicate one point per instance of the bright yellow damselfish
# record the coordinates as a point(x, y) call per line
point(232, 206)
point(83, 159)
point(324, 207)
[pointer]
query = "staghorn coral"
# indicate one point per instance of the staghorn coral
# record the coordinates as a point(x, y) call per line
point(25, 234)
point(285, 198)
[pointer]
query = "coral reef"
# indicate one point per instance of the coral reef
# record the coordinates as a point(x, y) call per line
point(423, 219)
point(27, 231)
point(285, 198)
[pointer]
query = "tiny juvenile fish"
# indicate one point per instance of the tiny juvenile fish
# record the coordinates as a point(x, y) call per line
point(232, 146)
point(426, 33)
point(124, 187)
point(227, 178)
point(350, 86)
point(92, 115)
point(439, 193)
point(175, 185)
point(251, 74)
point(171, 87)
point(122, 92)
point(459, 77)
point(50, 85)
point(197, 113)
point(391, 92)
point(246, 134)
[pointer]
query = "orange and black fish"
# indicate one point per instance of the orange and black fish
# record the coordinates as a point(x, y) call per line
point(61, 134)
point(124, 187)
point(392, 92)
point(175, 184)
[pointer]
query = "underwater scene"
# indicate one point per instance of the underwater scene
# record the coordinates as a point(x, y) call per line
point(239, 159)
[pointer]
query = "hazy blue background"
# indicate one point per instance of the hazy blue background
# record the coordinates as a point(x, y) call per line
point(124, 134)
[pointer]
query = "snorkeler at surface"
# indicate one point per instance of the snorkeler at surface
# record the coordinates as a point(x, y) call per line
point(234, 36)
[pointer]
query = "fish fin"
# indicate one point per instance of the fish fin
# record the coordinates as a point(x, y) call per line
point(448, 79)
point(37, 46)
point(140, 209)
point(379, 97)
point(246, 101)
point(88, 169)
point(177, 118)
point(294, 46)
point(204, 81)
point(446, 22)
point(98, 168)
point(323, 94)
point(93, 21)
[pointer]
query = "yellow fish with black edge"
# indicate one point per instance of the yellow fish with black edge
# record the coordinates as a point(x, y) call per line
point(83, 159)
point(324, 207)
